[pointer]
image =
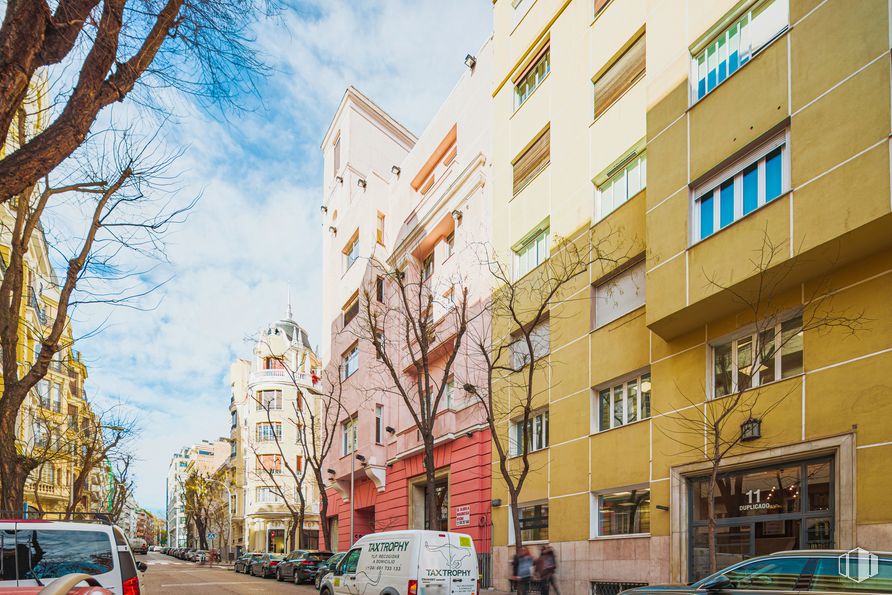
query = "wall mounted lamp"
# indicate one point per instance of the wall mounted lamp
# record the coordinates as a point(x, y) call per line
point(333, 230)
point(395, 170)
point(361, 183)
point(340, 179)
point(470, 61)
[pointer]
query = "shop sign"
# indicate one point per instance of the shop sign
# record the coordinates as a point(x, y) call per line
point(462, 516)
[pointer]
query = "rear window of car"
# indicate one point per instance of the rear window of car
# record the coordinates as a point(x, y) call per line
point(50, 553)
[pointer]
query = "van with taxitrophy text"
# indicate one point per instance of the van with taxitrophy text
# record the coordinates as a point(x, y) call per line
point(406, 563)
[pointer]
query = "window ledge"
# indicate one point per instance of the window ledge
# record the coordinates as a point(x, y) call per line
point(613, 537)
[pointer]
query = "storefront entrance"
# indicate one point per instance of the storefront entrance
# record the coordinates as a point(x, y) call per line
point(760, 511)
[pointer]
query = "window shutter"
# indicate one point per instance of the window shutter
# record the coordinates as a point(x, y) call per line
point(532, 161)
point(627, 69)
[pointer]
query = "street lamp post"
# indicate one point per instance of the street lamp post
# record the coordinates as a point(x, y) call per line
point(229, 508)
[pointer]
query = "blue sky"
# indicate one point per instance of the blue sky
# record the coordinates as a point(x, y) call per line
point(256, 231)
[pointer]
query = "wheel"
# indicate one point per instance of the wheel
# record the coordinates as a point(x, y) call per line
point(325, 591)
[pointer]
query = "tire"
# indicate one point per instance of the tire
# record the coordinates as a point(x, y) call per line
point(325, 591)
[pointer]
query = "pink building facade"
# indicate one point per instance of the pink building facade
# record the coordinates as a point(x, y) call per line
point(394, 201)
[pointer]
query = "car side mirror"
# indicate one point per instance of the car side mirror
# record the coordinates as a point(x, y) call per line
point(141, 566)
point(718, 583)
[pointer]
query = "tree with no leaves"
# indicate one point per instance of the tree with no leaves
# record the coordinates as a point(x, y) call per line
point(203, 496)
point(512, 350)
point(777, 313)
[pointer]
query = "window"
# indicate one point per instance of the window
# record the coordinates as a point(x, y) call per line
point(57, 397)
point(351, 309)
point(233, 450)
point(449, 393)
point(532, 252)
point(267, 495)
point(48, 474)
point(351, 251)
point(540, 338)
point(427, 266)
point(379, 424)
point(351, 561)
point(43, 391)
point(757, 358)
point(827, 576)
point(271, 464)
point(336, 155)
point(777, 574)
point(379, 229)
point(348, 436)
point(752, 182)
point(619, 295)
point(298, 464)
point(349, 362)
point(623, 513)
point(533, 522)
point(379, 289)
point(269, 400)
point(624, 403)
point(532, 77)
point(627, 70)
point(267, 432)
point(733, 47)
point(53, 553)
point(536, 433)
point(273, 363)
point(450, 244)
point(625, 181)
point(532, 161)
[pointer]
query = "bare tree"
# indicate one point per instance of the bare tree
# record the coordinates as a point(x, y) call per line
point(99, 50)
point(511, 348)
point(121, 486)
point(121, 186)
point(718, 421)
point(202, 496)
point(429, 319)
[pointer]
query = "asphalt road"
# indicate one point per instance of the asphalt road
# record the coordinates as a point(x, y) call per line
point(169, 575)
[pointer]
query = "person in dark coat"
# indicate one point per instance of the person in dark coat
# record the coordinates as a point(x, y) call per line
point(522, 570)
point(546, 567)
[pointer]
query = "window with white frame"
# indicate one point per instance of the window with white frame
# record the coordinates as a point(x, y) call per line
point(757, 357)
point(625, 512)
point(536, 434)
point(618, 295)
point(532, 78)
point(623, 402)
point(267, 432)
point(349, 362)
point(623, 182)
point(427, 266)
point(348, 436)
point(531, 253)
point(379, 424)
point(736, 44)
point(269, 399)
point(540, 338)
point(267, 495)
point(351, 251)
point(750, 183)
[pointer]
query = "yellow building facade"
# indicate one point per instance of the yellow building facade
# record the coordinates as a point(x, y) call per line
point(732, 160)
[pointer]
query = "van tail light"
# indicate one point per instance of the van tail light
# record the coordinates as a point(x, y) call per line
point(413, 587)
point(131, 586)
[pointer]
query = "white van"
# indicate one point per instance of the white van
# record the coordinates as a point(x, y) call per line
point(406, 563)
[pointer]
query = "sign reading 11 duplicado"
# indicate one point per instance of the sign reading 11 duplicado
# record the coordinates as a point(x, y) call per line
point(462, 516)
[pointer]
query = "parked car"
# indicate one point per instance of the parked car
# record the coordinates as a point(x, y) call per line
point(139, 545)
point(300, 566)
point(56, 549)
point(327, 567)
point(265, 566)
point(243, 563)
point(403, 562)
point(788, 571)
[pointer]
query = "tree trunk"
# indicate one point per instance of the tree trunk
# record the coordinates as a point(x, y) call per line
point(201, 528)
point(430, 492)
point(14, 470)
point(323, 509)
point(710, 519)
point(515, 521)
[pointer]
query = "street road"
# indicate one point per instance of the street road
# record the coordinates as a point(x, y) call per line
point(169, 575)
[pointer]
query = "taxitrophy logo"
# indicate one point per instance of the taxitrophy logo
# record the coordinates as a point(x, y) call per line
point(858, 565)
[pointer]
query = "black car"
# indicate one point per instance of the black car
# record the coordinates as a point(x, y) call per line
point(300, 566)
point(825, 571)
point(243, 564)
point(327, 567)
point(265, 567)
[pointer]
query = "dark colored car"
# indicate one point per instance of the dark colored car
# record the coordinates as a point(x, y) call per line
point(243, 564)
point(265, 567)
point(300, 566)
point(798, 571)
point(327, 567)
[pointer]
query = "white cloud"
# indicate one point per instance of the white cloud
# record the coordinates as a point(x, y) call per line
point(256, 230)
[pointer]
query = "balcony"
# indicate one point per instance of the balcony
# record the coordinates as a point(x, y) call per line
point(283, 376)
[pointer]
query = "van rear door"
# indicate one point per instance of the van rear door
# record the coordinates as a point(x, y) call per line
point(463, 565)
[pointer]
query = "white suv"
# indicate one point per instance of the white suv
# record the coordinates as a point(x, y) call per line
point(36, 552)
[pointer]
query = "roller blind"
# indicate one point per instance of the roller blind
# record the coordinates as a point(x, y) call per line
point(532, 161)
point(627, 69)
